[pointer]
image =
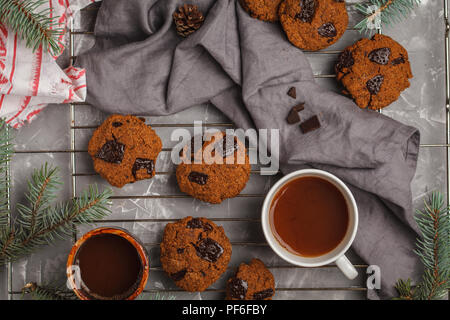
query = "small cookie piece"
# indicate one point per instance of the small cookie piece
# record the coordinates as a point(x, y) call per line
point(194, 253)
point(265, 10)
point(210, 176)
point(374, 71)
point(251, 282)
point(313, 24)
point(124, 150)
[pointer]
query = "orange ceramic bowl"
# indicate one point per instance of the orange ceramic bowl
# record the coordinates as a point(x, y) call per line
point(81, 293)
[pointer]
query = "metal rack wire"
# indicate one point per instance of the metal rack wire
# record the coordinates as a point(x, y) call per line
point(73, 151)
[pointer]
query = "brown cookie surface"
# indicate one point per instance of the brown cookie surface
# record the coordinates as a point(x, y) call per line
point(251, 282)
point(124, 150)
point(205, 178)
point(313, 24)
point(194, 253)
point(374, 71)
point(265, 10)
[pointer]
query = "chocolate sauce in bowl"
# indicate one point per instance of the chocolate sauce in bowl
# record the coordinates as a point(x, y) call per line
point(110, 266)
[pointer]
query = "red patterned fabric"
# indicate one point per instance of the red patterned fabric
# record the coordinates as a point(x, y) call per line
point(31, 80)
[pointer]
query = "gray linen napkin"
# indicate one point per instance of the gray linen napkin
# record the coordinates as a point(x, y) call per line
point(245, 67)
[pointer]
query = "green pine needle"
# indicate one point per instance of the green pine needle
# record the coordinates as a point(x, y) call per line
point(32, 24)
point(433, 250)
point(404, 289)
point(40, 223)
point(155, 296)
point(48, 292)
point(387, 12)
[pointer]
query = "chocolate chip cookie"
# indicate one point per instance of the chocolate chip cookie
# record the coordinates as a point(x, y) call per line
point(218, 169)
point(313, 24)
point(251, 282)
point(374, 71)
point(124, 150)
point(265, 10)
point(194, 253)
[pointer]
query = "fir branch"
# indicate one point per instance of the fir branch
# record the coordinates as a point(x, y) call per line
point(385, 12)
point(39, 223)
point(433, 250)
point(155, 296)
point(48, 292)
point(404, 289)
point(33, 24)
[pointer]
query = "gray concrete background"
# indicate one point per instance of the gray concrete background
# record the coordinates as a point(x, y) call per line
point(47, 139)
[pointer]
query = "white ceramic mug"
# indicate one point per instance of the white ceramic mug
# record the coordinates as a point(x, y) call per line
point(337, 254)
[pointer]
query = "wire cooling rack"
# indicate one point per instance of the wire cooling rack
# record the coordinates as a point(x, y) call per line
point(300, 291)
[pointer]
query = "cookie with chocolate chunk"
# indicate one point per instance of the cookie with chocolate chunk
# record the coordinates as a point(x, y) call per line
point(374, 71)
point(194, 253)
point(124, 150)
point(217, 169)
point(313, 24)
point(251, 282)
point(265, 10)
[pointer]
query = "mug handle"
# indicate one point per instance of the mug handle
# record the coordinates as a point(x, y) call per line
point(346, 267)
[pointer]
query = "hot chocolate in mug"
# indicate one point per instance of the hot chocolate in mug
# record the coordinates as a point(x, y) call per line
point(310, 218)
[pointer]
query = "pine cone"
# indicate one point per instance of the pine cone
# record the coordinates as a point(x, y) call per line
point(187, 19)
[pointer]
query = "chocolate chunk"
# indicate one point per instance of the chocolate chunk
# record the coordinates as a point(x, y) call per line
point(293, 116)
point(116, 124)
point(261, 295)
point(228, 146)
point(208, 249)
point(299, 107)
point(196, 223)
point(180, 250)
point(112, 151)
point(237, 288)
point(311, 124)
point(327, 30)
point(207, 227)
point(398, 60)
point(292, 92)
point(198, 177)
point(177, 276)
point(308, 8)
point(142, 119)
point(380, 56)
point(374, 84)
point(345, 60)
point(141, 163)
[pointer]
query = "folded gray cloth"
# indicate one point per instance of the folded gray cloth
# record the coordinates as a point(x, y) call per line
point(245, 67)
